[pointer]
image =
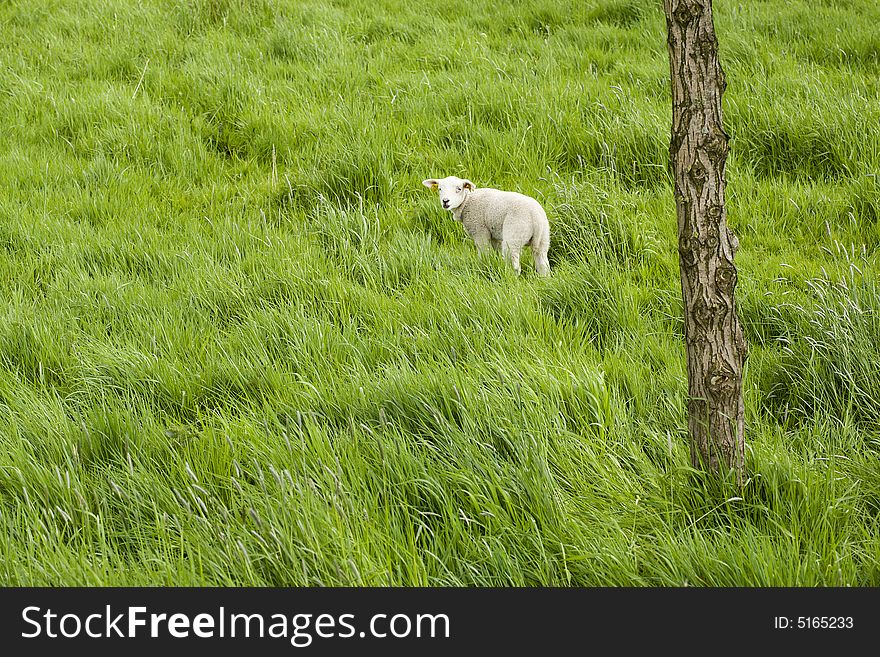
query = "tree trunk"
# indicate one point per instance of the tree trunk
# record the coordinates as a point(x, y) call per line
point(716, 348)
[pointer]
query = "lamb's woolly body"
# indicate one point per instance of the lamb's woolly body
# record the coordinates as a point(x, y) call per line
point(507, 219)
point(502, 219)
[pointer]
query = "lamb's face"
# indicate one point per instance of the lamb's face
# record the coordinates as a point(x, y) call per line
point(453, 191)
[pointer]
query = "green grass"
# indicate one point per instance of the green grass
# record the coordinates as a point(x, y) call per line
point(240, 343)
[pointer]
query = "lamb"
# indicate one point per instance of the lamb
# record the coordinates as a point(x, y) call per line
point(508, 220)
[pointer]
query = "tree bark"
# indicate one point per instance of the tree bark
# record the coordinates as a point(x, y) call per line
point(715, 346)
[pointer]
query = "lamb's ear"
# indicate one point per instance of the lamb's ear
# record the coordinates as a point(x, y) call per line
point(431, 184)
point(467, 184)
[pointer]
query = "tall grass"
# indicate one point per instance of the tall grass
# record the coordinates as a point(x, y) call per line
point(240, 345)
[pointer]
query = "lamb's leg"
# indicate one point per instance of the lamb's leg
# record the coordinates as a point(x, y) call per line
point(542, 263)
point(482, 241)
point(540, 248)
point(542, 266)
point(511, 254)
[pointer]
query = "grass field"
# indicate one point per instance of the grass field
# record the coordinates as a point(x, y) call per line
point(240, 344)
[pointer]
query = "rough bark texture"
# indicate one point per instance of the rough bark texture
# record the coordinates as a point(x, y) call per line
point(716, 348)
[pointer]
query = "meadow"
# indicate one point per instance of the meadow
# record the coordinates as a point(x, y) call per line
point(240, 344)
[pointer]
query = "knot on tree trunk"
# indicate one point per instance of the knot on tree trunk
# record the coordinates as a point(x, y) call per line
point(725, 278)
point(721, 380)
point(687, 10)
point(698, 175)
point(685, 251)
point(702, 312)
point(707, 43)
point(714, 142)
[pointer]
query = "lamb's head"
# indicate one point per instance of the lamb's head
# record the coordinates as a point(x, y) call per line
point(453, 191)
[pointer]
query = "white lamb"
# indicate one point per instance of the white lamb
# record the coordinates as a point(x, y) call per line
point(508, 220)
